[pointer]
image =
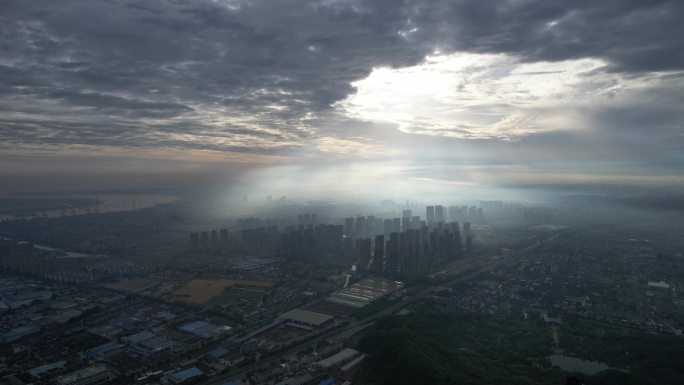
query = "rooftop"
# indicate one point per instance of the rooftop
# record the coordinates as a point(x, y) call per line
point(84, 373)
point(104, 349)
point(204, 329)
point(139, 337)
point(338, 358)
point(306, 317)
point(218, 352)
point(185, 374)
point(39, 370)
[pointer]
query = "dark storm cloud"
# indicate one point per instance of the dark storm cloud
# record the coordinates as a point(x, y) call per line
point(255, 75)
point(639, 35)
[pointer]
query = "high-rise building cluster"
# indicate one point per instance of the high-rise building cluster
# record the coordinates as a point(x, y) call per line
point(408, 246)
point(300, 237)
point(400, 247)
point(371, 225)
point(210, 242)
point(414, 251)
point(310, 242)
point(23, 258)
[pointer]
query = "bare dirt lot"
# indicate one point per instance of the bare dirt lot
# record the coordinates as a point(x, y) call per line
point(203, 290)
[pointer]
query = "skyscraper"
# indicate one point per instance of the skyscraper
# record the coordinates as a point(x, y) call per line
point(468, 236)
point(224, 241)
point(453, 213)
point(205, 242)
point(214, 242)
point(348, 226)
point(396, 225)
point(379, 254)
point(371, 225)
point(415, 222)
point(360, 225)
point(405, 223)
point(194, 241)
point(387, 227)
point(392, 263)
point(363, 253)
point(430, 214)
point(439, 213)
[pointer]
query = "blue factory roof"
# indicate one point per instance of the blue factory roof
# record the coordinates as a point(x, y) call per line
point(186, 374)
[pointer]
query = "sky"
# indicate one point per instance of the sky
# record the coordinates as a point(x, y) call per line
point(332, 95)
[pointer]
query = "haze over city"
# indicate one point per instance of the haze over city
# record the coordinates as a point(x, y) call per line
point(336, 192)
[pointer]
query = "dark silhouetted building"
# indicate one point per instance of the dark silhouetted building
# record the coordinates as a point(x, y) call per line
point(439, 213)
point(387, 227)
point(430, 214)
point(194, 242)
point(348, 226)
point(379, 254)
point(363, 253)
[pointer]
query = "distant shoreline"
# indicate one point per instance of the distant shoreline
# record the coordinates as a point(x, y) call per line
point(106, 203)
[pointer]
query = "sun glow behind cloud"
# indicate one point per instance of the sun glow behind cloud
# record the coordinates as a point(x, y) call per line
point(467, 95)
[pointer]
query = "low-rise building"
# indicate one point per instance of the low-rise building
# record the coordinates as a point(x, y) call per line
point(183, 376)
point(104, 351)
point(18, 333)
point(95, 374)
point(344, 356)
point(205, 329)
point(305, 319)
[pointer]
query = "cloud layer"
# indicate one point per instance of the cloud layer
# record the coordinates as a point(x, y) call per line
point(545, 85)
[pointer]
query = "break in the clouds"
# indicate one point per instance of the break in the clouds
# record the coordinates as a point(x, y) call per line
point(498, 96)
point(551, 86)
